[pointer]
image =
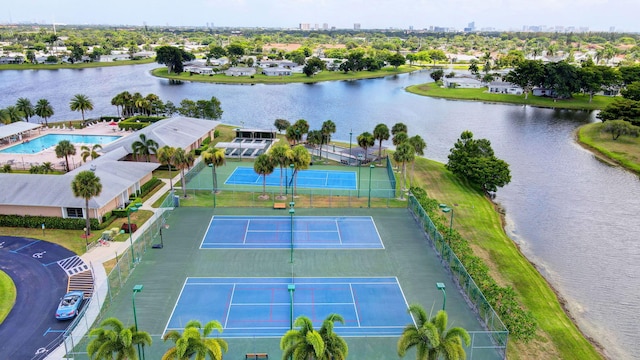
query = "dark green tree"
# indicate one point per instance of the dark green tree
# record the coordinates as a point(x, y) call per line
point(618, 128)
point(632, 91)
point(145, 147)
point(173, 57)
point(44, 110)
point(527, 74)
point(313, 66)
point(24, 105)
point(81, 103)
point(365, 141)
point(437, 75)
point(621, 109)
point(86, 185)
point(263, 166)
point(113, 341)
point(196, 341)
point(281, 124)
point(380, 133)
point(396, 60)
point(63, 150)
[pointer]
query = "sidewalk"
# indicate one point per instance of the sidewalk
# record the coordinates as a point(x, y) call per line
point(95, 257)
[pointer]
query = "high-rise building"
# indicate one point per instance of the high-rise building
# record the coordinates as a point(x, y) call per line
point(325, 26)
point(305, 26)
point(356, 26)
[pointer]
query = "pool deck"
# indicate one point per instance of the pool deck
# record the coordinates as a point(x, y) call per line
point(25, 161)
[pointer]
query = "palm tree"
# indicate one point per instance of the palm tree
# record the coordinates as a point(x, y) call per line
point(381, 133)
point(81, 103)
point(315, 138)
point(282, 156)
point(404, 153)
point(182, 160)
point(214, 157)
point(301, 160)
point(328, 128)
point(44, 110)
point(87, 152)
point(192, 342)
point(335, 348)
point(144, 147)
point(25, 106)
point(4, 117)
point(14, 114)
point(165, 157)
point(431, 337)
point(398, 128)
point(47, 167)
point(263, 166)
point(304, 343)
point(118, 102)
point(86, 185)
point(112, 340)
point(64, 149)
point(418, 146)
point(399, 138)
point(365, 141)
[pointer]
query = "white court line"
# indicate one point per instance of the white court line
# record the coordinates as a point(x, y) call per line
point(355, 308)
point(338, 231)
point(405, 300)
point(233, 291)
point(288, 303)
point(204, 237)
point(246, 231)
point(175, 306)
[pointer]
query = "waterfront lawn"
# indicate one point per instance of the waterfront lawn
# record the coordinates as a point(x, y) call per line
point(478, 221)
point(28, 66)
point(7, 295)
point(578, 102)
point(294, 78)
point(624, 151)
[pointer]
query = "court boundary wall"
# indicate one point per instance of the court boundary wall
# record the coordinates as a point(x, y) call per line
point(497, 331)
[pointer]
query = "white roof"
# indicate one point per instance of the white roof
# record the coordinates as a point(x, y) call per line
point(16, 128)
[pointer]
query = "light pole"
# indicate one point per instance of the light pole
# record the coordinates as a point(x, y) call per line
point(213, 184)
point(292, 166)
point(291, 212)
point(136, 289)
point(370, 169)
point(440, 286)
point(291, 288)
point(350, 134)
point(359, 163)
point(240, 137)
point(447, 209)
point(130, 209)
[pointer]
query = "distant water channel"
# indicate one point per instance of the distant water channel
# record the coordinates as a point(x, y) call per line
point(575, 217)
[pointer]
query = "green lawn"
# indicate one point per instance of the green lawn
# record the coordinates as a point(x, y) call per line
point(294, 78)
point(7, 295)
point(27, 66)
point(624, 151)
point(479, 222)
point(578, 102)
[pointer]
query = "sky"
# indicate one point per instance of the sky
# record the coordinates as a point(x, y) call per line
point(597, 15)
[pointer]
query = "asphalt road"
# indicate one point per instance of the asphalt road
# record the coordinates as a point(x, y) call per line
point(31, 326)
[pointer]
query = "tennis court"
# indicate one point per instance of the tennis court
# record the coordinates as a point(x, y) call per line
point(320, 179)
point(276, 232)
point(261, 307)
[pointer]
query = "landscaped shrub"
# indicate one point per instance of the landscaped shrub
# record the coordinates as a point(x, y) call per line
point(138, 122)
point(149, 185)
point(520, 322)
point(50, 222)
point(122, 213)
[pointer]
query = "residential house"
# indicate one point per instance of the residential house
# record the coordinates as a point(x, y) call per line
point(462, 82)
point(500, 87)
point(240, 71)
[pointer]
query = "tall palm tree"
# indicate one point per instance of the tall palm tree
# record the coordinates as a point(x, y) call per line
point(303, 343)
point(14, 114)
point(214, 157)
point(44, 110)
point(365, 141)
point(25, 106)
point(92, 152)
point(193, 342)
point(399, 138)
point(335, 348)
point(112, 340)
point(86, 185)
point(118, 102)
point(418, 146)
point(282, 156)
point(144, 147)
point(183, 160)
point(263, 166)
point(64, 149)
point(381, 133)
point(315, 138)
point(165, 157)
point(404, 154)
point(398, 128)
point(328, 128)
point(301, 160)
point(81, 103)
point(431, 338)
point(4, 117)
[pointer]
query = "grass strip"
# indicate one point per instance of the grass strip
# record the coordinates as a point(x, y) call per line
point(7, 295)
point(477, 220)
point(578, 102)
point(294, 78)
point(29, 66)
point(624, 151)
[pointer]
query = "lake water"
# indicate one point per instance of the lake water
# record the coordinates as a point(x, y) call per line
point(575, 217)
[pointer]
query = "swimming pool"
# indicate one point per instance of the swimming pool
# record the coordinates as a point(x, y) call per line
point(33, 146)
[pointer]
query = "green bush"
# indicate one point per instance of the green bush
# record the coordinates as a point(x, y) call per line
point(49, 222)
point(122, 213)
point(149, 185)
point(520, 322)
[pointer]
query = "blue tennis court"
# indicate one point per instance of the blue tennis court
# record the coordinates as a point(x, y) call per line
point(274, 232)
point(261, 307)
point(322, 179)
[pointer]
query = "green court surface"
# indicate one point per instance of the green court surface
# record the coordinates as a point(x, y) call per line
point(407, 256)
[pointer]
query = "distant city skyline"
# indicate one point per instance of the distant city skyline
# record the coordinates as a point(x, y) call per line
point(508, 15)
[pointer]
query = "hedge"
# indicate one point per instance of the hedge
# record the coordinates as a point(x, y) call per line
point(49, 222)
point(520, 321)
point(138, 122)
point(149, 185)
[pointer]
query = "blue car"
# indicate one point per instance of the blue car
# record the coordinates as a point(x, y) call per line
point(69, 306)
